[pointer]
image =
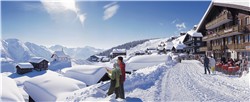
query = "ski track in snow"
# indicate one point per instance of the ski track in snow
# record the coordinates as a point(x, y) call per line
point(187, 82)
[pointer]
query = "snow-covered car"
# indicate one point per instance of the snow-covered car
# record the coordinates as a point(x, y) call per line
point(10, 91)
point(89, 74)
point(50, 87)
point(138, 62)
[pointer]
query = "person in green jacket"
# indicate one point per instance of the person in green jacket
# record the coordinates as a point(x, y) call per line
point(114, 75)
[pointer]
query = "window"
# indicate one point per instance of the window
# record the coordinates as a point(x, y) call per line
point(239, 21)
point(238, 39)
point(198, 38)
point(198, 44)
point(247, 20)
point(229, 40)
point(246, 38)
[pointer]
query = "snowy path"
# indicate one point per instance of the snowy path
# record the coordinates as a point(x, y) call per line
point(187, 82)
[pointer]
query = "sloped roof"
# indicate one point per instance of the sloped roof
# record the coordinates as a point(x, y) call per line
point(37, 59)
point(25, 65)
point(169, 45)
point(60, 54)
point(179, 46)
point(180, 39)
point(237, 4)
point(193, 33)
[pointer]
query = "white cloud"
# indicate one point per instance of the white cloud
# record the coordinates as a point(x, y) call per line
point(110, 10)
point(57, 9)
point(174, 21)
point(180, 26)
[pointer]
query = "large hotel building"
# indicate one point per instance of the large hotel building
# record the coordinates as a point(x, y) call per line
point(226, 29)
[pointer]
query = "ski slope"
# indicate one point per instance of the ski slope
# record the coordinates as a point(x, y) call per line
point(187, 82)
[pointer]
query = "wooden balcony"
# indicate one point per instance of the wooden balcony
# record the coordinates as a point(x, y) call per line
point(217, 47)
point(233, 30)
point(222, 19)
point(208, 37)
point(203, 48)
point(242, 45)
point(230, 46)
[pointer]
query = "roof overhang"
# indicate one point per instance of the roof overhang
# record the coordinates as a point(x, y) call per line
point(239, 4)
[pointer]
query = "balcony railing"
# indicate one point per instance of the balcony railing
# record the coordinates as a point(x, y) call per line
point(224, 18)
point(217, 47)
point(231, 30)
point(241, 46)
point(203, 48)
point(230, 46)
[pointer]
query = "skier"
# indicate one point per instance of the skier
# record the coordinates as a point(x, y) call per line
point(212, 64)
point(206, 64)
point(114, 75)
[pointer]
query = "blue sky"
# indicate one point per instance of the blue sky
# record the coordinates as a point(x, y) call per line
point(101, 24)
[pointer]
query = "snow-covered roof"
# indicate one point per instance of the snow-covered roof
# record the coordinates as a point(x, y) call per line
point(143, 61)
point(152, 48)
point(140, 51)
point(89, 74)
point(169, 45)
point(60, 54)
point(37, 59)
point(25, 65)
point(9, 90)
point(237, 4)
point(49, 87)
point(180, 39)
point(229, 3)
point(119, 51)
point(193, 33)
point(179, 46)
point(6, 59)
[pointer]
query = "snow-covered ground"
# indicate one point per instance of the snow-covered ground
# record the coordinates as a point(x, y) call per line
point(185, 81)
point(49, 87)
point(9, 90)
point(153, 80)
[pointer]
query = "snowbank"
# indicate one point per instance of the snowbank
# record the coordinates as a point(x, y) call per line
point(90, 74)
point(143, 61)
point(49, 87)
point(143, 79)
point(9, 90)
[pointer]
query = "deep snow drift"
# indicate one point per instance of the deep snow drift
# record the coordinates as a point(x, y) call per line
point(9, 90)
point(49, 87)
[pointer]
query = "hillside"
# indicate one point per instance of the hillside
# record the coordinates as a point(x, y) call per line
point(123, 46)
point(77, 53)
